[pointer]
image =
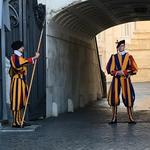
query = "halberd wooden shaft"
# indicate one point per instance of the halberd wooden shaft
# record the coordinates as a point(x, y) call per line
point(32, 77)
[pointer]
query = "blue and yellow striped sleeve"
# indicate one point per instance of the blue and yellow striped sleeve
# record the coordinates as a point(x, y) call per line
point(111, 66)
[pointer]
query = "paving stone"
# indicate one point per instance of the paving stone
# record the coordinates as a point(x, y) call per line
point(87, 129)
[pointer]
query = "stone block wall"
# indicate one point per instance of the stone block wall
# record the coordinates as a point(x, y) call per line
point(72, 71)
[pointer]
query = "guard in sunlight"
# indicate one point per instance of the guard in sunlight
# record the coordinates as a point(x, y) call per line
point(121, 66)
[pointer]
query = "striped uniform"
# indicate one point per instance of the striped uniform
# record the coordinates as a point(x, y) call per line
point(18, 85)
point(127, 64)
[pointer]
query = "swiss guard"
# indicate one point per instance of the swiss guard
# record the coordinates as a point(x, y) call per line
point(18, 85)
point(121, 66)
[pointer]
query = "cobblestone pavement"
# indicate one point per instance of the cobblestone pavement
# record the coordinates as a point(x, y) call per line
point(88, 129)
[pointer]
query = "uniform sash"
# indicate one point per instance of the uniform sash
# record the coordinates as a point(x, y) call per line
point(123, 66)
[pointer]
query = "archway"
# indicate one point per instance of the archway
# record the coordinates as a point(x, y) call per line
point(72, 62)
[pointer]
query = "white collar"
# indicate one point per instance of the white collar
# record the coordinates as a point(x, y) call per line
point(123, 52)
point(17, 53)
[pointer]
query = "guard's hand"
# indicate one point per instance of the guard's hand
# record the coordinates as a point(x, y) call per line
point(120, 73)
point(37, 55)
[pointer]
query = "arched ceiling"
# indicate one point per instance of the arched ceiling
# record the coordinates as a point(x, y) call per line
point(93, 16)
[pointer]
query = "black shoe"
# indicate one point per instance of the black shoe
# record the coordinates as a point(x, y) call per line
point(113, 121)
point(26, 124)
point(131, 122)
point(16, 126)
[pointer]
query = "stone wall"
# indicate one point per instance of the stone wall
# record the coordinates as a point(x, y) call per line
point(140, 49)
point(72, 70)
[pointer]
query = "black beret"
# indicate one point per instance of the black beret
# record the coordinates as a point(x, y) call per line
point(16, 45)
point(120, 42)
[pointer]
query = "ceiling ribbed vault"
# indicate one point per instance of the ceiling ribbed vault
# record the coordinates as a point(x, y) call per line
point(93, 16)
